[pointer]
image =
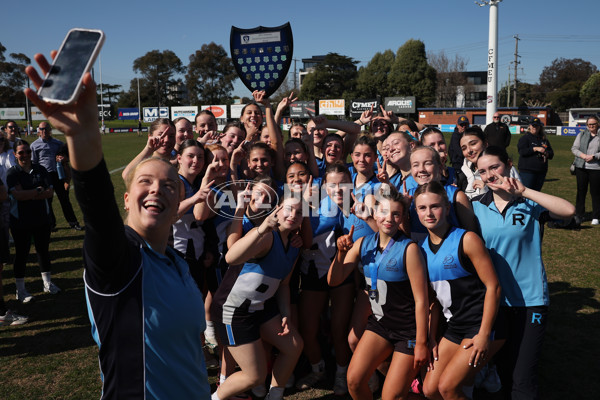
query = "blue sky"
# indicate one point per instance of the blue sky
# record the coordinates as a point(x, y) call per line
point(358, 29)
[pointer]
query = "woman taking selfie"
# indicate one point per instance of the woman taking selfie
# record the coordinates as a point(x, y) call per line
point(146, 311)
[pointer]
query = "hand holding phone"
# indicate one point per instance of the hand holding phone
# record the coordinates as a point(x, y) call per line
point(76, 56)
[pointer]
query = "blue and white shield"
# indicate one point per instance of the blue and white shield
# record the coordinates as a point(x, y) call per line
point(262, 56)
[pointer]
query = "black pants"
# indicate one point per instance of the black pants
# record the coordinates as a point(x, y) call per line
point(63, 197)
point(587, 177)
point(518, 359)
point(22, 236)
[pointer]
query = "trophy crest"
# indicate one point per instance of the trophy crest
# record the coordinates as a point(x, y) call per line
point(262, 56)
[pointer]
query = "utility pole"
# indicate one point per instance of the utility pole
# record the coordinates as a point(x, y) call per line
point(516, 64)
point(295, 76)
point(492, 60)
point(508, 89)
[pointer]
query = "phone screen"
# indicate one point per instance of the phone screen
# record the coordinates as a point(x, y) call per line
point(70, 65)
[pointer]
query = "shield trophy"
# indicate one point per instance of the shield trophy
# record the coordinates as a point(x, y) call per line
point(262, 56)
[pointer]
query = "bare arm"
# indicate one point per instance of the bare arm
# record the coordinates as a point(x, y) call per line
point(345, 260)
point(464, 212)
point(255, 243)
point(415, 267)
point(474, 248)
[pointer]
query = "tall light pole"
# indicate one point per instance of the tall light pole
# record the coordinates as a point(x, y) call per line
point(492, 60)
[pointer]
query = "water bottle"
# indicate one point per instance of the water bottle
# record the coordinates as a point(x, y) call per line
point(60, 170)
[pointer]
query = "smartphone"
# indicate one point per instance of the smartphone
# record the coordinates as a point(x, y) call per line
point(76, 56)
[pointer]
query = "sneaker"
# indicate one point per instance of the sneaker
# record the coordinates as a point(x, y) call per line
point(24, 296)
point(374, 382)
point(492, 383)
point(595, 222)
point(10, 318)
point(259, 391)
point(340, 385)
point(290, 382)
point(77, 227)
point(51, 288)
point(310, 380)
point(416, 386)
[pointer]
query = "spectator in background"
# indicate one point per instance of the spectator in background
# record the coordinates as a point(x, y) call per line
point(498, 133)
point(586, 149)
point(30, 188)
point(44, 152)
point(7, 317)
point(456, 155)
point(534, 152)
point(455, 151)
point(12, 132)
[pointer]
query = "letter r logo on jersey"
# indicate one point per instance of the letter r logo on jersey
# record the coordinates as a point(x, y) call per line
point(536, 318)
point(411, 344)
point(520, 218)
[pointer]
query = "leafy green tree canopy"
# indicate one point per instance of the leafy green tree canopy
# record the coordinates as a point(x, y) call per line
point(210, 75)
point(411, 75)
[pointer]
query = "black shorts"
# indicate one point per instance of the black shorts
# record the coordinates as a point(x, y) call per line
point(249, 331)
point(403, 341)
point(311, 281)
point(457, 334)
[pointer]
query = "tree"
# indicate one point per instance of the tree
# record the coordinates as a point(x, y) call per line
point(372, 80)
point(562, 81)
point(590, 91)
point(12, 78)
point(411, 75)
point(210, 75)
point(158, 70)
point(563, 71)
point(450, 76)
point(110, 92)
point(565, 97)
point(335, 77)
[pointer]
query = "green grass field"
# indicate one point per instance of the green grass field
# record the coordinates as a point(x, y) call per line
point(53, 356)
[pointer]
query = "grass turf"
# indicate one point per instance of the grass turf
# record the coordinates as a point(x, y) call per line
point(53, 356)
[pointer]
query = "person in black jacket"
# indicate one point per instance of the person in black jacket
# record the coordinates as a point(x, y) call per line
point(455, 151)
point(534, 151)
point(497, 132)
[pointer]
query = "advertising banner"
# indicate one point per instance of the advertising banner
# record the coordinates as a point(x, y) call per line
point(106, 111)
point(128, 113)
point(400, 105)
point(36, 114)
point(218, 111)
point(188, 112)
point(300, 109)
point(358, 106)
point(332, 107)
point(152, 113)
point(12, 113)
point(236, 110)
point(570, 130)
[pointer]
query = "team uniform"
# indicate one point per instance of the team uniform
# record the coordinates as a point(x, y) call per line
point(188, 235)
point(315, 262)
point(514, 239)
point(457, 286)
point(417, 231)
point(246, 297)
point(146, 311)
point(390, 293)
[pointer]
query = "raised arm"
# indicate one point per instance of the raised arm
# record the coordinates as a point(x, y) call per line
point(255, 243)
point(93, 187)
point(345, 260)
